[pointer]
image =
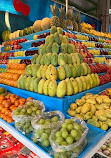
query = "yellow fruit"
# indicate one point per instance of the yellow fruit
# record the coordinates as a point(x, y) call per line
point(93, 108)
point(71, 112)
point(79, 116)
point(73, 106)
point(35, 37)
point(85, 108)
point(99, 99)
point(45, 23)
point(91, 101)
point(80, 102)
point(37, 26)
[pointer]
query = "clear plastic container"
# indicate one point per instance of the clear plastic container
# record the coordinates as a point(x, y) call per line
point(43, 126)
point(73, 150)
point(23, 116)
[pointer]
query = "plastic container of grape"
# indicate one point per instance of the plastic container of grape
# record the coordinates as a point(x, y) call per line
point(77, 147)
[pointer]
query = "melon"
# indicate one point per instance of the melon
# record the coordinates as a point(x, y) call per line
point(45, 23)
point(13, 36)
point(37, 26)
point(10, 36)
point(17, 34)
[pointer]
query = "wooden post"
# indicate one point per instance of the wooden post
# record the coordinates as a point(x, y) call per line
point(66, 6)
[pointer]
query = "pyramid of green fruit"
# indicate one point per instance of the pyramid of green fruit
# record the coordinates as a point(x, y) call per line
point(52, 72)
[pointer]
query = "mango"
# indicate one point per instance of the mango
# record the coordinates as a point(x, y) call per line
point(67, 71)
point(87, 82)
point(31, 87)
point(54, 59)
point(35, 67)
point(80, 85)
point(47, 39)
point(61, 73)
point(40, 86)
point(43, 71)
point(83, 83)
point(103, 125)
point(33, 61)
point(71, 112)
point(61, 89)
point(101, 116)
point(57, 38)
point(73, 106)
point(28, 70)
point(88, 116)
point(45, 87)
point(53, 30)
point(91, 101)
point(80, 102)
point(75, 86)
point(27, 83)
point(69, 59)
point(36, 82)
point(69, 87)
point(59, 30)
point(107, 113)
point(61, 59)
point(55, 48)
point(79, 116)
point(71, 48)
point(93, 122)
point(99, 99)
point(93, 108)
point(64, 48)
point(38, 59)
point(22, 82)
point(85, 108)
point(52, 88)
point(65, 39)
point(84, 65)
point(78, 110)
point(77, 58)
point(47, 60)
point(73, 70)
point(53, 73)
point(42, 59)
point(39, 71)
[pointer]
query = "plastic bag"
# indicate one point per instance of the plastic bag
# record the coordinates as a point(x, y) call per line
point(44, 125)
point(73, 150)
point(23, 115)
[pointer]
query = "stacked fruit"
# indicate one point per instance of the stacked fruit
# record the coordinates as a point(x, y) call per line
point(22, 115)
point(44, 125)
point(42, 35)
point(105, 79)
point(107, 46)
point(93, 39)
point(94, 51)
point(70, 35)
point(9, 78)
point(14, 47)
point(36, 44)
point(31, 52)
point(9, 103)
point(98, 68)
point(16, 68)
point(6, 55)
point(14, 61)
point(100, 59)
point(89, 44)
point(15, 42)
point(107, 92)
point(3, 70)
point(25, 61)
point(95, 109)
point(19, 53)
point(82, 37)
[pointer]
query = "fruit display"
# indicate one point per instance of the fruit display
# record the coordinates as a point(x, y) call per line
point(14, 61)
point(15, 42)
point(106, 148)
point(105, 78)
point(95, 109)
point(6, 55)
point(14, 47)
point(82, 37)
point(31, 52)
point(3, 70)
point(43, 126)
point(88, 60)
point(94, 51)
point(16, 68)
point(65, 87)
point(69, 138)
point(107, 92)
point(100, 59)
point(19, 53)
point(98, 68)
point(42, 35)
point(8, 103)
point(36, 44)
point(3, 61)
point(70, 35)
point(24, 114)
point(89, 44)
point(25, 61)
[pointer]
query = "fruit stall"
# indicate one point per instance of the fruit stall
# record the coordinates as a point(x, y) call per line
point(55, 87)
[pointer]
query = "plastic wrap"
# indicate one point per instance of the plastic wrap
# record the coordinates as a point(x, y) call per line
point(73, 150)
point(43, 130)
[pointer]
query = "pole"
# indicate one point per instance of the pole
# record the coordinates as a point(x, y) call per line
point(66, 6)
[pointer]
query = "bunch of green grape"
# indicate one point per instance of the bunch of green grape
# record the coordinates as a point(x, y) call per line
point(30, 108)
point(24, 126)
point(43, 134)
point(70, 133)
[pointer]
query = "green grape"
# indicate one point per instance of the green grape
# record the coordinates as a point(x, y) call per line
point(65, 134)
point(74, 133)
point(63, 129)
point(63, 143)
point(23, 110)
point(77, 137)
point(38, 112)
point(47, 131)
point(54, 119)
point(16, 113)
point(36, 105)
point(27, 131)
point(58, 134)
point(57, 155)
point(41, 131)
point(67, 121)
point(44, 136)
point(69, 140)
point(37, 135)
point(29, 103)
point(35, 140)
point(59, 140)
point(17, 124)
point(47, 122)
point(33, 113)
point(18, 109)
point(41, 121)
point(77, 127)
point(27, 124)
point(80, 132)
point(64, 125)
point(29, 111)
point(30, 128)
point(70, 127)
point(34, 109)
point(45, 142)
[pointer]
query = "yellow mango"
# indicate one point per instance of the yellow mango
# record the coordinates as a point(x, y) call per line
point(71, 112)
point(88, 116)
point(101, 116)
point(99, 99)
point(80, 102)
point(91, 101)
point(73, 106)
point(93, 122)
point(109, 122)
point(78, 110)
point(93, 108)
point(103, 125)
point(99, 107)
point(94, 117)
point(79, 116)
point(85, 108)
point(107, 113)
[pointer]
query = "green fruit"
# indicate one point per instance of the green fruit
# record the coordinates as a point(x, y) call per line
point(88, 82)
point(33, 61)
point(38, 59)
point(69, 90)
point(52, 88)
point(64, 48)
point(81, 58)
point(69, 140)
point(65, 134)
point(49, 48)
point(42, 59)
point(51, 39)
point(55, 48)
point(40, 86)
point(88, 69)
point(47, 60)
point(77, 70)
point(39, 71)
point(65, 39)
point(58, 134)
point(53, 30)
point(27, 83)
point(59, 30)
point(47, 39)
point(45, 87)
point(77, 58)
point(42, 49)
point(59, 140)
point(22, 81)
point(80, 85)
point(82, 70)
point(52, 73)
point(36, 82)
point(28, 70)
point(43, 71)
point(57, 39)
point(75, 86)
point(74, 133)
point(73, 70)
point(71, 48)
point(31, 88)
point(54, 59)
point(69, 60)
point(94, 78)
point(55, 119)
point(84, 65)
point(67, 71)
point(35, 67)
point(61, 59)
point(61, 89)
point(61, 73)
point(83, 83)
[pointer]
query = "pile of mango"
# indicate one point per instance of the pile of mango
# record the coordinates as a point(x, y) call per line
point(62, 72)
point(95, 109)
point(57, 59)
point(52, 88)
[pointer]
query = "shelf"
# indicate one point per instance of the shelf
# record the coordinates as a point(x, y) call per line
point(25, 57)
point(3, 66)
point(106, 56)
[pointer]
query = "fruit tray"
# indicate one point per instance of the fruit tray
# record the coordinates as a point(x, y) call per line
point(93, 136)
point(55, 103)
point(3, 66)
